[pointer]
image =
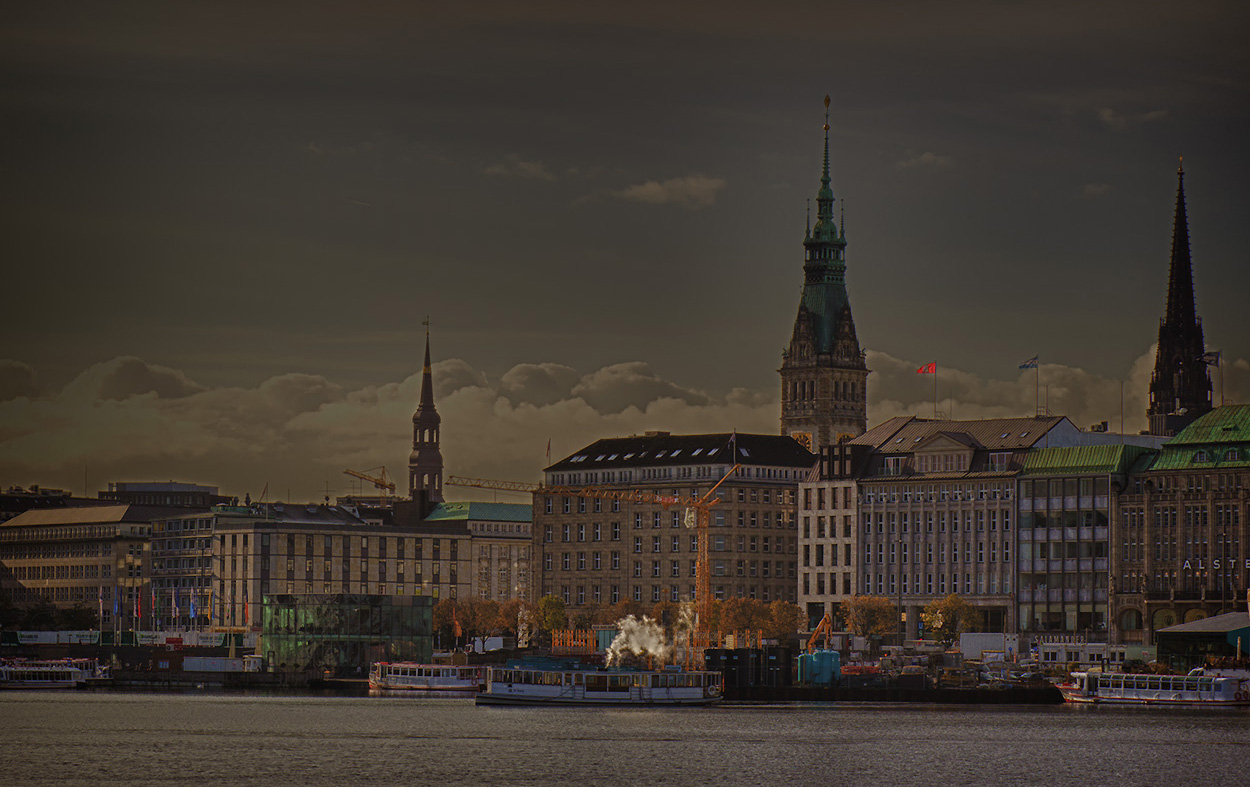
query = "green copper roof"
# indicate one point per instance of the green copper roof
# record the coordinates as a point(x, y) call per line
point(482, 512)
point(1218, 440)
point(1084, 459)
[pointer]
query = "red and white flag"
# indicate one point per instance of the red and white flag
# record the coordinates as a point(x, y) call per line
point(928, 368)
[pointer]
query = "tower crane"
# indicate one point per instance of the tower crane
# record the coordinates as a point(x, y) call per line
point(698, 516)
point(383, 483)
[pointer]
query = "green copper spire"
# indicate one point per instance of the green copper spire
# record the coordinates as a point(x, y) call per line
point(824, 266)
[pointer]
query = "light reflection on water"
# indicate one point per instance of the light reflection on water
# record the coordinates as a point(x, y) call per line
point(74, 738)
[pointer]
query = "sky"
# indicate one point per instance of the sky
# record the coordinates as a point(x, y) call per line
point(224, 224)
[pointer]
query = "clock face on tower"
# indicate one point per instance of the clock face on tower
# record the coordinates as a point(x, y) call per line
point(803, 438)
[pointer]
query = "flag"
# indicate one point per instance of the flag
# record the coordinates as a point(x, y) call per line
point(192, 606)
point(1212, 358)
point(1030, 364)
point(928, 368)
point(548, 449)
point(175, 603)
point(101, 597)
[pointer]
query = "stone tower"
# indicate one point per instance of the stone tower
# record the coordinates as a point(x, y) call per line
point(823, 375)
point(425, 463)
point(1180, 388)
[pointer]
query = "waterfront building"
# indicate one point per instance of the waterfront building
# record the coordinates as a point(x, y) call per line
point(274, 549)
point(590, 550)
point(1180, 387)
point(94, 556)
point(1067, 497)
point(824, 395)
point(500, 536)
point(828, 533)
point(342, 634)
point(1178, 554)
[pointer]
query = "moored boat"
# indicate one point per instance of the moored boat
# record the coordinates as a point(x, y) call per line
point(410, 676)
point(570, 683)
point(1116, 688)
point(51, 673)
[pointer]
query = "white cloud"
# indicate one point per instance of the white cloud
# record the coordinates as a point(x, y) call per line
point(926, 160)
point(692, 191)
point(1117, 121)
point(297, 432)
point(516, 167)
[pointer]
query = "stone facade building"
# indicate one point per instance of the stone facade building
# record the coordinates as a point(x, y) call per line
point(501, 534)
point(590, 550)
point(1179, 551)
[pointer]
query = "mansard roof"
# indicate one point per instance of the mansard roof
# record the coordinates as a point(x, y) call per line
point(482, 512)
point(902, 434)
point(1084, 460)
point(664, 449)
point(1218, 440)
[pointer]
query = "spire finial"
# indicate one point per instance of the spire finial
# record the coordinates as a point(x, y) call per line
point(809, 217)
point(1180, 165)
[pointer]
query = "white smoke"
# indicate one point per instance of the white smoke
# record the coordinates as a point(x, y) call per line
point(639, 637)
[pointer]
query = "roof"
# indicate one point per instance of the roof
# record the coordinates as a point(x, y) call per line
point(482, 512)
point(901, 434)
point(1085, 459)
point(97, 514)
point(661, 448)
point(290, 513)
point(1216, 624)
point(1218, 440)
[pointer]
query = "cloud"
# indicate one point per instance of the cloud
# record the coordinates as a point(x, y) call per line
point(1122, 122)
point(127, 376)
point(297, 432)
point(515, 167)
point(1095, 190)
point(927, 160)
point(16, 379)
point(692, 191)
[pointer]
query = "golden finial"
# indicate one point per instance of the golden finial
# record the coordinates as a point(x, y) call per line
point(1180, 165)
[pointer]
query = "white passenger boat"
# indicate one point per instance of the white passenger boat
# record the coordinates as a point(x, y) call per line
point(51, 674)
point(577, 684)
point(1115, 688)
point(411, 676)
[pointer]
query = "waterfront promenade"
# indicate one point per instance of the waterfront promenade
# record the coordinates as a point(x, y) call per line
point(115, 738)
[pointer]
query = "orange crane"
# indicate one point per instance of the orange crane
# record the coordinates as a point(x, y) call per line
point(698, 516)
point(381, 482)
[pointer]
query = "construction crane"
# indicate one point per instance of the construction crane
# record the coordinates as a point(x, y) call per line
point(381, 482)
point(698, 516)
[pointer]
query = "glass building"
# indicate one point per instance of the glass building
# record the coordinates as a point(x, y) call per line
point(340, 635)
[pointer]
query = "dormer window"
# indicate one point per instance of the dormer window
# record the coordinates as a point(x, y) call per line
point(1232, 455)
point(1201, 456)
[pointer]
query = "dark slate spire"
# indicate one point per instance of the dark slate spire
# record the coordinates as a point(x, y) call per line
point(824, 266)
point(1180, 388)
point(425, 463)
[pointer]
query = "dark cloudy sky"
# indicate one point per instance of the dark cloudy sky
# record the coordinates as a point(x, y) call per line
point(223, 223)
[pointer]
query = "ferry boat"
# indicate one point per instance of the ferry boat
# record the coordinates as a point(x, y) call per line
point(579, 684)
point(411, 676)
point(1115, 688)
point(51, 674)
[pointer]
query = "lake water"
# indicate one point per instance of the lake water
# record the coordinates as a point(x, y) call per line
point(100, 738)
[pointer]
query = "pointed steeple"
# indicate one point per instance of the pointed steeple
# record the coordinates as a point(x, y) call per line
point(425, 463)
point(823, 392)
point(1180, 388)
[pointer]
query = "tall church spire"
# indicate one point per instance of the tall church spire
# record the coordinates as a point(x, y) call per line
point(823, 373)
point(1180, 388)
point(425, 463)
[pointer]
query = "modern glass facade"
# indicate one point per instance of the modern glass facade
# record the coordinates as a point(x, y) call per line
point(342, 634)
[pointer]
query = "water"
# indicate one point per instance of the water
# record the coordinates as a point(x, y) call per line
point(75, 738)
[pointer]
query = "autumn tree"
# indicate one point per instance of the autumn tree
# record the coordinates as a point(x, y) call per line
point(785, 618)
point(550, 614)
point(509, 615)
point(947, 618)
point(869, 615)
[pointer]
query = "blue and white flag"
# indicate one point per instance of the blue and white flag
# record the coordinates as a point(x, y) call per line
point(1030, 364)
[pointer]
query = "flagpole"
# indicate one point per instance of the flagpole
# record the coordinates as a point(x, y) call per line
point(935, 401)
point(1037, 388)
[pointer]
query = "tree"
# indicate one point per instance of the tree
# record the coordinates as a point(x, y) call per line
point(869, 615)
point(785, 618)
point(510, 612)
point(947, 618)
point(77, 618)
point(551, 616)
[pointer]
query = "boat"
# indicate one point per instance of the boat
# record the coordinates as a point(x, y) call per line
point(386, 676)
point(573, 683)
point(1194, 689)
point(51, 674)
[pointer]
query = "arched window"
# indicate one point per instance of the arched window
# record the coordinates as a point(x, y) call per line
point(1130, 620)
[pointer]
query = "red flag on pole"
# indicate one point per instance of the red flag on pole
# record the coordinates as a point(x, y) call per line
point(929, 368)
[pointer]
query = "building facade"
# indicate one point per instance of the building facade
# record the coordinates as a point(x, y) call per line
point(501, 535)
point(590, 550)
point(824, 395)
point(164, 493)
point(1182, 524)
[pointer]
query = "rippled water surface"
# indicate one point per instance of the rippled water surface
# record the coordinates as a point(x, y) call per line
point(74, 738)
